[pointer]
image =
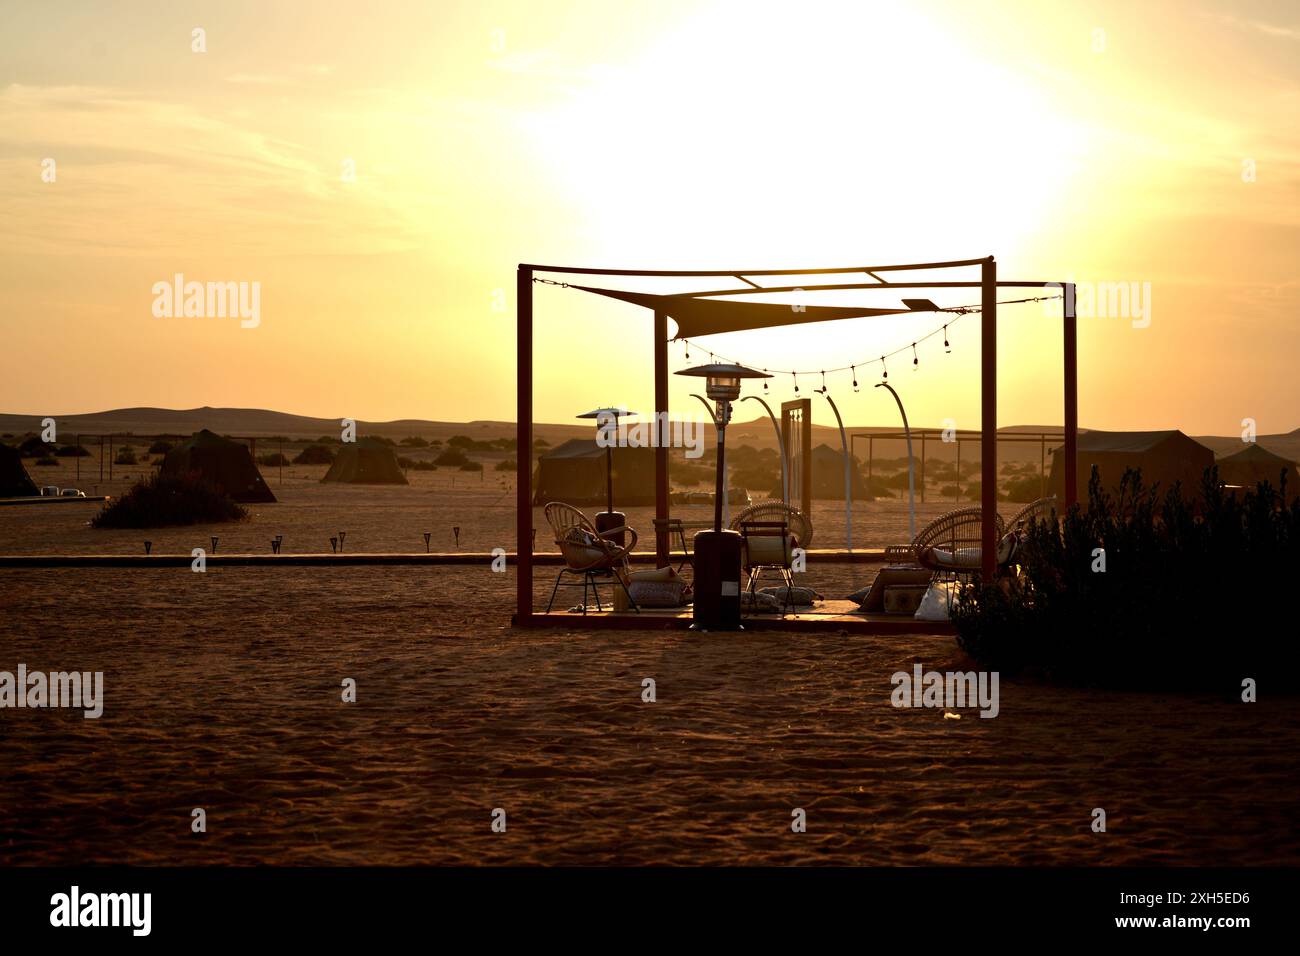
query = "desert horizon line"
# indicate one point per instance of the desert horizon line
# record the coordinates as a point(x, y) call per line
point(37, 417)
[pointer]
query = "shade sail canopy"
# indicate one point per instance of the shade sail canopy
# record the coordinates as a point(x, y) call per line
point(702, 316)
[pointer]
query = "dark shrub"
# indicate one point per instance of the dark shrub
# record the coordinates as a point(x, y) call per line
point(164, 500)
point(125, 456)
point(417, 464)
point(415, 441)
point(1194, 594)
point(506, 464)
point(472, 466)
point(72, 451)
point(273, 460)
point(160, 447)
point(452, 457)
point(1029, 488)
point(33, 447)
point(314, 455)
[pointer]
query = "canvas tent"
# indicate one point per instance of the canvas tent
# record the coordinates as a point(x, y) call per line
point(1163, 456)
point(1254, 464)
point(226, 464)
point(828, 477)
point(14, 480)
point(575, 474)
point(366, 462)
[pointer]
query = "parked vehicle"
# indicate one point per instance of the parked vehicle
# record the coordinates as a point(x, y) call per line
point(72, 493)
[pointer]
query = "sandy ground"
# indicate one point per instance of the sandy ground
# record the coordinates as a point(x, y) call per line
point(223, 692)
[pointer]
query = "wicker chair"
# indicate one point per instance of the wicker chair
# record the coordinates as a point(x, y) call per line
point(795, 520)
point(1041, 509)
point(590, 554)
point(772, 530)
point(952, 543)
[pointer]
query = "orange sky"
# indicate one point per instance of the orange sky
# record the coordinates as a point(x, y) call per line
point(1104, 142)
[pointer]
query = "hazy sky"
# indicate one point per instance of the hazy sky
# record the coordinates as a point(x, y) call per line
point(1097, 142)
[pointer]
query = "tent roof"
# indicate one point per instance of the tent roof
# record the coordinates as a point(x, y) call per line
point(1096, 441)
point(1254, 453)
point(580, 448)
point(702, 316)
point(207, 439)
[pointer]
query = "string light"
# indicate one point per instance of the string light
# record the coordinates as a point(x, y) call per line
point(954, 311)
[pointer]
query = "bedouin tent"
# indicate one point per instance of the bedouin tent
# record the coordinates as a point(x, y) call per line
point(225, 464)
point(366, 462)
point(14, 480)
point(1254, 464)
point(1164, 457)
point(828, 477)
point(575, 474)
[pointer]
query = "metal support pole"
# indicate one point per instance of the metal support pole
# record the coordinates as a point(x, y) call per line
point(524, 443)
point(1071, 453)
point(662, 544)
point(988, 417)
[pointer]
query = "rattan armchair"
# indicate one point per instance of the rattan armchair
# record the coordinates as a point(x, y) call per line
point(953, 542)
point(593, 555)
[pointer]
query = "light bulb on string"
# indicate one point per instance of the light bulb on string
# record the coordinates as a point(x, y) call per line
point(884, 369)
point(822, 390)
point(795, 377)
point(854, 369)
point(946, 346)
point(764, 382)
point(914, 358)
point(687, 344)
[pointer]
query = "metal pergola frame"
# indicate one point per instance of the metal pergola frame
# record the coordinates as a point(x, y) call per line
point(988, 284)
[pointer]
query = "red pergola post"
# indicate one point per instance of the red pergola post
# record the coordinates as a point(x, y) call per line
point(662, 437)
point(1071, 462)
point(988, 417)
point(524, 450)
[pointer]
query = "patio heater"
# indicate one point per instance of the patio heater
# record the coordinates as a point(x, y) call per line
point(717, 552)
point(609, 518)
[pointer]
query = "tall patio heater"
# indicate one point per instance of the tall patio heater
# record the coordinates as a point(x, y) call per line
point(717, 552)
point(609, 518)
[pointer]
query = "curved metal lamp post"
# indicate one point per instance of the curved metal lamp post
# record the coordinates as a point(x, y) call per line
point(722, 464)
point(848, 482)
point(911, 465)
point(780, 444)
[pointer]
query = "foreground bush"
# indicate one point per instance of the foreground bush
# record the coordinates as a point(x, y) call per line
point(160, 447)
point(1195, 593)
point(166, 500)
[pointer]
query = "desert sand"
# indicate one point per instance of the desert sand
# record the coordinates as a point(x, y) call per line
point(223, 691)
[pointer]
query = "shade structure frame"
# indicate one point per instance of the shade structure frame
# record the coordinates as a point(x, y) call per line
point(988, 284)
